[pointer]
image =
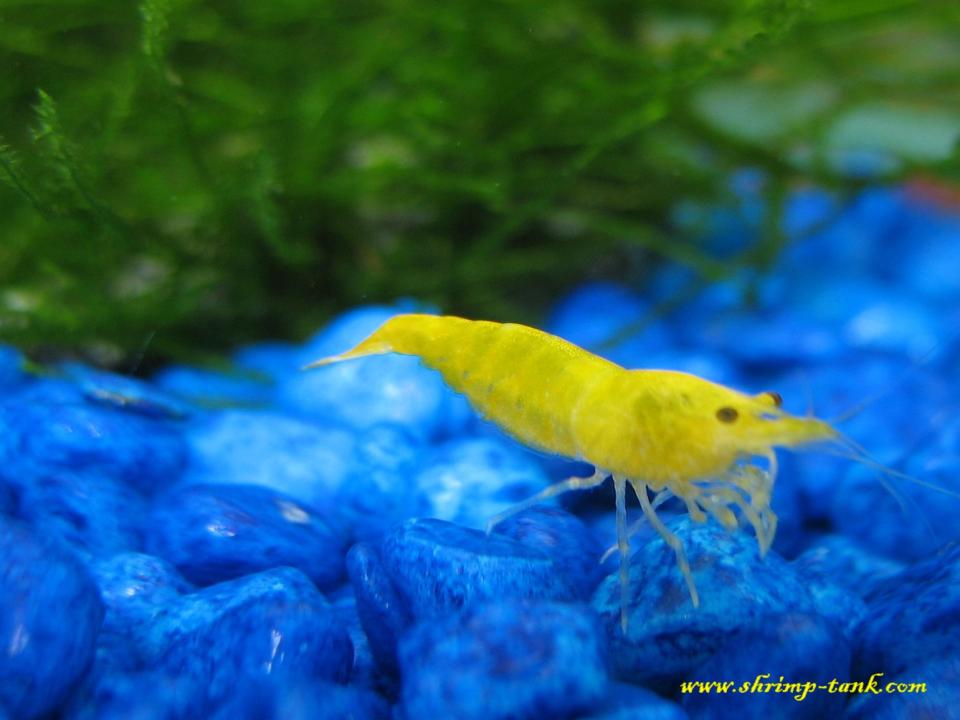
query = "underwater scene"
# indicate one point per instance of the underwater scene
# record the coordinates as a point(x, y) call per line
point(402, 361)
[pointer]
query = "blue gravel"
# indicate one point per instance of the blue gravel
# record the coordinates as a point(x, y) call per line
point(796, 647)
point(360, 481)
point(438, 567)
point(623, 701)
point(562, 537)
point(271, 628)
point(469, 480)
point(505, 659)
point(211, 389)
point(213, 533)
point(667, 638)
point(124, 445)
point(50, 613)
point(264, 542)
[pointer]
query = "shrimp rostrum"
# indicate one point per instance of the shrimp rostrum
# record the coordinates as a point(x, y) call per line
point(660, 432)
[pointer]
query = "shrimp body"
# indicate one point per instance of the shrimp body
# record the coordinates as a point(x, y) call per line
point(670, 432)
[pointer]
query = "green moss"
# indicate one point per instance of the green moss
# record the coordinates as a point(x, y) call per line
point(197, 174)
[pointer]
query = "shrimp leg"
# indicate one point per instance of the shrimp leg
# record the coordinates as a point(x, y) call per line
point(623, 543)
point(574, 483)
point(658, 500)
point(672, 540)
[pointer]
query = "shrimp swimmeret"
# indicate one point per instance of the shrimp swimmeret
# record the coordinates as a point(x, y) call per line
point(659, 431)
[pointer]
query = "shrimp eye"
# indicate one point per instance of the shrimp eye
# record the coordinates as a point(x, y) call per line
point(727, 414)
point(776, 398)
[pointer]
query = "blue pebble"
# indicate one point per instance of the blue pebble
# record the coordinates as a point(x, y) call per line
point(806, 209)
point(273, 626)
point(50, 613)
point(11, 368)
point(630, 702)
point(938, 700)
point(134, 588)
point(838, 560)
point(213, 533)
point(899, 520)
point(364, 672)
point(667, 637)
point(301, 701)
point(37, 439)
point(137, 695)
point(796, 647)
point(913, 619)
point(562, 537)
point(506, 659)
point(384, 615)
point(361, 481)
point(438, 567)
point(601, 317)
point(95, 515)
point(931, 269)
point(770, 341)
point(211, 389)
point(469, 480)
point(126, 393)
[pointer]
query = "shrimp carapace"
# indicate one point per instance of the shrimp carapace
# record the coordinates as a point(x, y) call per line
point(660, 431)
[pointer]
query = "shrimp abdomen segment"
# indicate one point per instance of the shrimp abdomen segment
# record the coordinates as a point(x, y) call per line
point(528, 382)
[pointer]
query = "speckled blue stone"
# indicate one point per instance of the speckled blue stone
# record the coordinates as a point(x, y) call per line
point(438, 567)
point(469, 480)
point(212, 389)
point(213, 533)
point(667, 637)
point(939, 701)
point(594, 315)
point(763, 342)
point(301, 701)
point(138, 695)
point(506, 659)
point(907, 524)
point(383, 613)
point(135, 588)
point(273, 626)
point(362, 480)
point(623, 701)
point(39, 438)
point(127, 393)
point(913, 619)
point(50, 613)
point(93, 514)
point(838, 560)
point(797, 647)
point(562, 537)
point(364, 672)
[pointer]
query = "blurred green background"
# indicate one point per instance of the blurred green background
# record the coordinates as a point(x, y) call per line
point(192, 175)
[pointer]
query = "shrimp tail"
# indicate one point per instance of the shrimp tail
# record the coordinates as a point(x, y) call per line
point(400, 334)
point(370, 346)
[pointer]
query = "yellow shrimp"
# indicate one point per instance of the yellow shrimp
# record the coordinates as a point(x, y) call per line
point(663, 431)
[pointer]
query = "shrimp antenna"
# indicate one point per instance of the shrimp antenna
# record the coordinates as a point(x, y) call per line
point(859, 455)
